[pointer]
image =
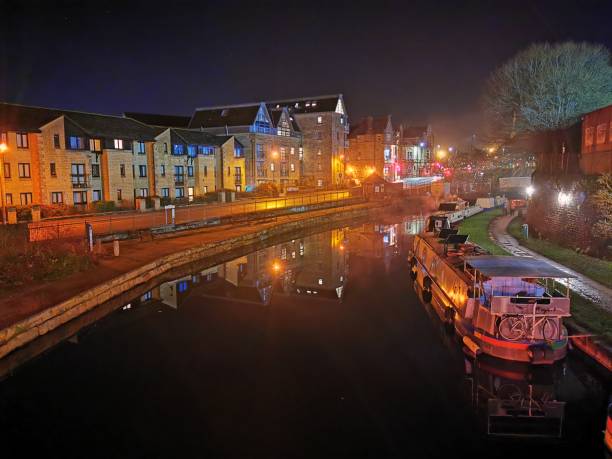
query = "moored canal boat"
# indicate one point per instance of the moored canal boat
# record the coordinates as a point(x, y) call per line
point(505, 306)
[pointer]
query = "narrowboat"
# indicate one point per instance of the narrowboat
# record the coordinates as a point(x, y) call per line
point(508, 307)
point(450, 214)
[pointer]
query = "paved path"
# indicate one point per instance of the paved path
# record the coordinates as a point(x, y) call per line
point(584, 286)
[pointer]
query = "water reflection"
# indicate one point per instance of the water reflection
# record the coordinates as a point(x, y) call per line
point(315, 265)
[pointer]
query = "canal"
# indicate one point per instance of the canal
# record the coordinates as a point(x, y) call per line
point(318, 346)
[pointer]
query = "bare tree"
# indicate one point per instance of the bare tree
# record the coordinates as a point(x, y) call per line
point(547, 87)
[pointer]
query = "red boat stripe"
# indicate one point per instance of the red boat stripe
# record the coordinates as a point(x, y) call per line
point(498, 342)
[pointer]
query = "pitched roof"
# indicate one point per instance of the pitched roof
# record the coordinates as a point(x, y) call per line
point(231, 115)
point(197, 137)
point(154, 119)
point(14, 117)
point(305, 104)
point(275, 114)
point(414, 131)
point(369, 125)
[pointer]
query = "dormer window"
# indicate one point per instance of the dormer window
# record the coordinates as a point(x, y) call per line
point(95, 145)
point(177, 149)
point(308, 104)
point(206, 150)
point(191, 151)
point(314, 103)
point(225, 112)
point(76, 143)
point(118, 144)
point(297, 105)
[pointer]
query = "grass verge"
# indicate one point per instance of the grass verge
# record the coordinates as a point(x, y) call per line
point(477, 226)
point(592, 317)
point(594, 268)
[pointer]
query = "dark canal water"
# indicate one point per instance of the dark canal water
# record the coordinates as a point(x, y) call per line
point(316, 347)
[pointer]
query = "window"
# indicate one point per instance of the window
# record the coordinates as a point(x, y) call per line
point(119, 195)
point(7, 170)
point(177, 149)
point(292, 167)
point(238, 173)
point(205, 189)
point(118, 144)
point(205, 171)
point(283, 154)
point(319, 152)
point(24, 170)
point(8, 199)
point(140, 148)
point(144, 192)
point(3, 138)
point(76, 143)
point(78, 175)
point(237, 151)
point(122, 170)
point(165, 148)
point(261, 169)
point(190, 171)
point(341, 120)
point(56, 141)
point(319, 120)
point(162, 170)
point(284, 172)
point(601, 133)
point(191, 150)
point(292, 151)
point(207, 151)
point(319, 182)
point(228, 171)
point(272, 167)
point(142, 171)
point(95, 170)
point(26, 198)
point(165, 192)
point(259, 152)
point(179, 192)
point(97, 195)
point(300, 153)
point(95, 145)
point(57, 197)
point(22, 140)
point(79, 197)
point(588, 136)
point(52, 170)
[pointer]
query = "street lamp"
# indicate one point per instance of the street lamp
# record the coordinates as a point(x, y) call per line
point(530, 190)
point(3, 149)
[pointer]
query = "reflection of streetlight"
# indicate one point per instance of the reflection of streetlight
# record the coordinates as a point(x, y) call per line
point(3, 149)
point(530, 190)
point(276, 266)
point(274, 156)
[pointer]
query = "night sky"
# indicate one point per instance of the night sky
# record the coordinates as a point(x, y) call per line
point(419, 61)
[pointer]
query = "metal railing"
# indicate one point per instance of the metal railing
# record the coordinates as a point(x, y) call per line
point(120, 222)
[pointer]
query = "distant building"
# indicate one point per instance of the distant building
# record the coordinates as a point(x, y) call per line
point(372, 149)
point(414, 150)
point(596, 149)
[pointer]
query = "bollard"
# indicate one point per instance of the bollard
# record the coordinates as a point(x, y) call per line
point(116, 247)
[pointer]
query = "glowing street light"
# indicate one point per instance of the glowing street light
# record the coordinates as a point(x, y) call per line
point(441, 154)
point(530, 190)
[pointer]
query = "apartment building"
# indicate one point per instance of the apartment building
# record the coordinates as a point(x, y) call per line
point(323, 122)
point(415, 150)
point(372, 149)
point(271, 141)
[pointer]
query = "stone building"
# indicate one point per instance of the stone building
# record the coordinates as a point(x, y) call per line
point(414, 150)
point(73, 158)
point(271, 141)
point(323, 122)
point(372, 149)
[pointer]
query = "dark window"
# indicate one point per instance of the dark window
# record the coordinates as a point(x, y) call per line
point(179, 192)
point(165, 148)
point(78, 175)
point(26, 198)
point(191, 150)
point(57, 197)
point(162, 170)
point(95, 170)
point(122, 170)
point(52, 170)
point(24, 170)
point(9, 199)
point(165, 192)
point(7, 170)
point(22, 140)
point(56, 141)
point(142, 171)
point(190, 171)
point(205, 171)
point(119, 195)
point(140, 148)
point(79, 197)
point(97, 195)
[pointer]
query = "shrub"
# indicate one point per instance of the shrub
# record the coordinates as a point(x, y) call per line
point(104, 206)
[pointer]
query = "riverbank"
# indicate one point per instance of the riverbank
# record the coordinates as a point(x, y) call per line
point(28, 315)
point(477, 226)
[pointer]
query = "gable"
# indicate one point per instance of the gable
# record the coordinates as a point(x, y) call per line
point(340, 106)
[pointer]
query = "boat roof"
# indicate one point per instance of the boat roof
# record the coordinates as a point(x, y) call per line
point(510, 266)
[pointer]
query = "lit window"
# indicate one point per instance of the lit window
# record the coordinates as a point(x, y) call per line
point(588, 136)
point(57, 197)
point(118, 144)
point(320, 281)
point(97, 195)
point(191, 150)
point(24, 170)
point(177, 149)
point(601, 134)
point(22, 140)
point(292, 167)
point(165, 192)
point(94, 144)
point(272, 167)
point(142, 171)
point(76, 143)
point(140, 148)
point(319, 119)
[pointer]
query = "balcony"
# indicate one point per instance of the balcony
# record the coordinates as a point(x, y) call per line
point(79, 181)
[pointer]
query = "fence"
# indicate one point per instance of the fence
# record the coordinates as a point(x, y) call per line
point(120, 222)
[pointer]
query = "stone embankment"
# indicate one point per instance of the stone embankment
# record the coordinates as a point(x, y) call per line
point(18, 334)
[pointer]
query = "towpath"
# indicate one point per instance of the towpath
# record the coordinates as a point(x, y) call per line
point(583, 285)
